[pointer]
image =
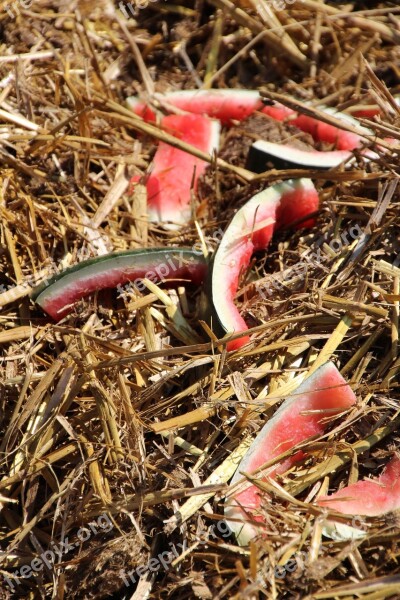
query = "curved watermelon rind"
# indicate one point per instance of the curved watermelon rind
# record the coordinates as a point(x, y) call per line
point(308, 386)
point(245, 234)
point(365, 498)
point(232, 236)
point(262, 152)
point(229, 105)
point(121, 267)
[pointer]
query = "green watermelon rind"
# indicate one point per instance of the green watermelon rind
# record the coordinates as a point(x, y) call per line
point(149, 258)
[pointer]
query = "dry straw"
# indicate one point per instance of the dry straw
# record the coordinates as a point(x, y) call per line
point(131, 406)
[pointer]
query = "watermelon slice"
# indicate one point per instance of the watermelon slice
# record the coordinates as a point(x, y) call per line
point(371, 497)
point(57, 295)
point(281, 156)
point(232, 104)
point(298, 419)
point(279, 112)
point(322, 132)
point(262, 153)
point(367, 112)
point(175, 171)
point(251, 229)
point(224, 105)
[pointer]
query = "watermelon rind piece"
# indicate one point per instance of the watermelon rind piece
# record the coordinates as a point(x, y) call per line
point(324, 389)
point(251, 229)
point(342, 531)
point(365, 498)
point(284, 156)
point(230, 105)
point(226, 105)
point(175, 171)
point(57, 294)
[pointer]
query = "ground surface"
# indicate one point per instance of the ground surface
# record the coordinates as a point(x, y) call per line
point(81, 443)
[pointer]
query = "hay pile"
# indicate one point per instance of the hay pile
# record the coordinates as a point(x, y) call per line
point(105, 418)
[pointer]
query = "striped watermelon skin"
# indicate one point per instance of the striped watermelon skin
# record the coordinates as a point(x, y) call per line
point(58, 295)
point(297, 420)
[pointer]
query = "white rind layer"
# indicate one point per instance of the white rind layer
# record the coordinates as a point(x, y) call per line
point(361, 130)
point(342, 532)
point(306, 387)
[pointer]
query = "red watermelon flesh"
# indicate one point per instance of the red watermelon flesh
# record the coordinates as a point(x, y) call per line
point(141, 109)
point(279, 112)
point(251, 229)
point(367, 113)
point(175, 171)
point(370, 111)
point(370, 497)
point(322, 132)
point(324, 390)
point(224, 105)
